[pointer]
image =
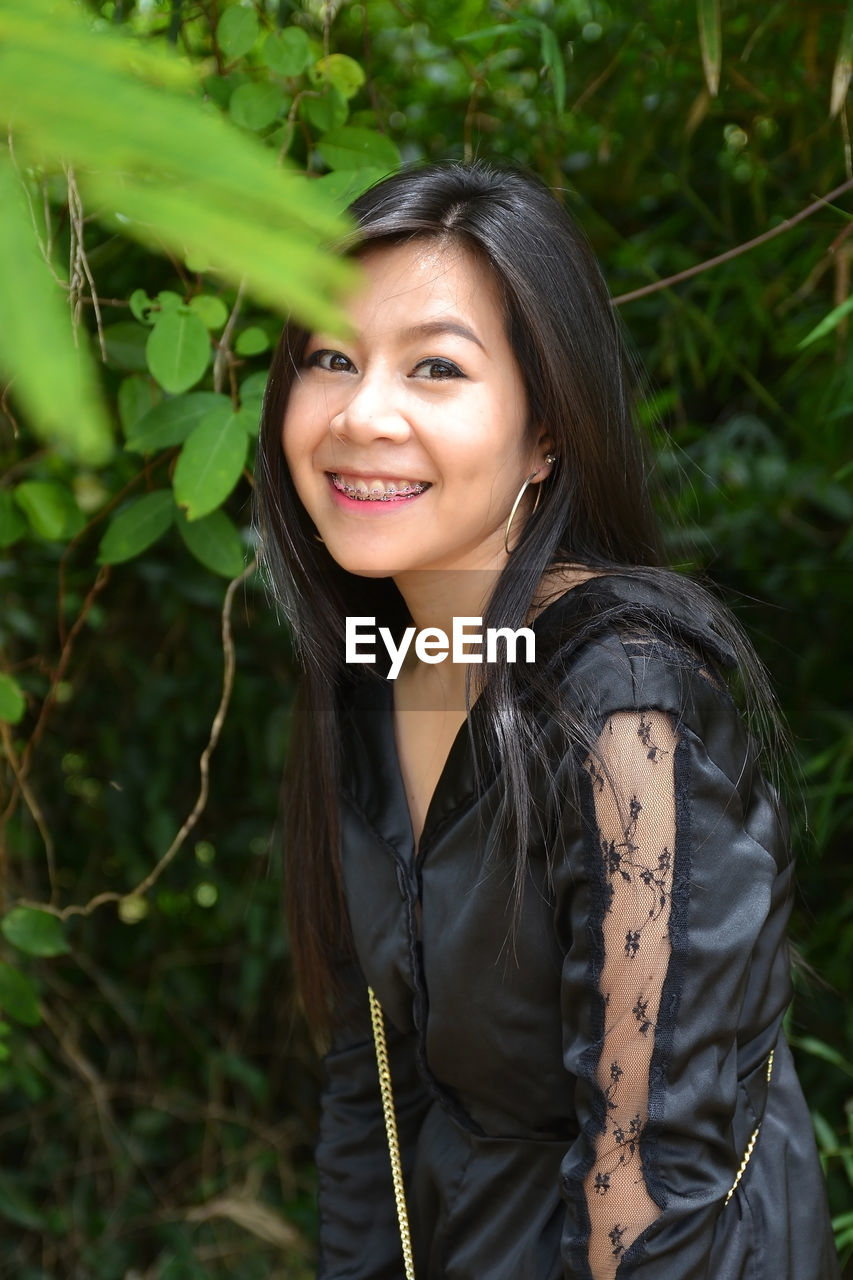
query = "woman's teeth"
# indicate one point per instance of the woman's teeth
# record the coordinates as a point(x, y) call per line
point(377, 490)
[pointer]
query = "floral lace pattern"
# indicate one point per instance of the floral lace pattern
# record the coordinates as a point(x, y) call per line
point(631, 773)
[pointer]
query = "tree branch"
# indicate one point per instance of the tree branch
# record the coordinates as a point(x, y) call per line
point(737, 251)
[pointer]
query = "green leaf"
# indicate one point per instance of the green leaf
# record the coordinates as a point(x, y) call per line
point(54, 382)
point(12, 524)
point(255, 106)
point(210, 463)
point(552, 57)
point(137, 395)
point(489, 33)
point(828, 323)
point(171, 421)
point(249, 417)
point(819, 1049)
point(125, 345)
point(12, 701)
point(136, 527)
point(252, 341)
point(329, 111)
point(710, 42)
point(163, 168)
point(50, 508)
point(354, 148)
point(237, 30)
point(18, 996)
point(254, 386)
point(843, 65)
point(37, 933)
point(345, 185)
point(343, 72)
point(140, 305)
point(215, 542)
point(211, 311)
point(287, 52)
point(177, 350)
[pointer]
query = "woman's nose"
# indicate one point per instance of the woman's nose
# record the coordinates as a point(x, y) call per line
point(374, 409)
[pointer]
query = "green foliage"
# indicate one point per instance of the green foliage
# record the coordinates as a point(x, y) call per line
point(158, 1099)
point(37, 933)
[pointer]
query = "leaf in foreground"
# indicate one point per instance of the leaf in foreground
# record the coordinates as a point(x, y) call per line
point(181, 177)
point(37, 350)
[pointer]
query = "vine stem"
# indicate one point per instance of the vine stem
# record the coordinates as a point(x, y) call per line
point(229, 667)
point(738, 250)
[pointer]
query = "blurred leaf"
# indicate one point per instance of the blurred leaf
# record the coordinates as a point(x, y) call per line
point(171, 421)
point(487, 33)
point(37, 350)
point(37, 933)
point(817, 1048)
point(18, 996)
point(252, 341)
point(12, 524)
point(353, 148)
point(827, 324)
point(552, 57)
point(710, 42)
point(17, 1207)
point(255, 106)
point(137, 527)
point(215, 542)
point(843, 65)
point(345, 185)
point(210, 464)
point(328, 111)
point(12, 701)
point(173, 172)
point(140, 305)
point(125, 345)
point(178, 350)
point(50, 509)
point(344, 73)
point(137, 395)
point(237, 30)
point(287, 52)
point(211, 310)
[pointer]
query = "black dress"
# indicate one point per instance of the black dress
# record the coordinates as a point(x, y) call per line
point(605, 1089)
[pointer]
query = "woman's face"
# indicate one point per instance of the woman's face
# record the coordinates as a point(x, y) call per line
point(407, 442)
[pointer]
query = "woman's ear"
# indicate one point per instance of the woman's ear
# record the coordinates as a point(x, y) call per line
point(542, 456)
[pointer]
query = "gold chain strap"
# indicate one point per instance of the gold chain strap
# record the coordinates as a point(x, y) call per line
point(387, 1093)
point(751, 1144)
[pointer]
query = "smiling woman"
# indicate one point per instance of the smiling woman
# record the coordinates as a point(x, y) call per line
point(566, 880)
point(423, 408)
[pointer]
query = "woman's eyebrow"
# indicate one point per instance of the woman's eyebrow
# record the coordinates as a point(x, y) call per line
point(432, 328)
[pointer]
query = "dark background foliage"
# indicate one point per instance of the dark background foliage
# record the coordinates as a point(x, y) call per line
point(157, 1086)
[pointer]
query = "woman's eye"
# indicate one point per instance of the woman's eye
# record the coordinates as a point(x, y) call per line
point(334, 361)
point(438, 370)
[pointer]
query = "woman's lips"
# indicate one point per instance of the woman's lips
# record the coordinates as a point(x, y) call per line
point(361, 491)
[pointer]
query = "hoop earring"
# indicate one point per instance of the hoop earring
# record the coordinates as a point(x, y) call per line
point(550, 459)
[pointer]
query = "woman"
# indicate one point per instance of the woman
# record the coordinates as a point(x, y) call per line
point(565, 879)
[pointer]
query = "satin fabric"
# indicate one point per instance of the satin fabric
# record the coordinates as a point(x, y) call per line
point(494, 1032)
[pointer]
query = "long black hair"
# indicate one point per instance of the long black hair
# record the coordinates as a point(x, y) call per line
point(595, 509)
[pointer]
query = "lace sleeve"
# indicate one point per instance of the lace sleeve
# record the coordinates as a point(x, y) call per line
point(632, 782)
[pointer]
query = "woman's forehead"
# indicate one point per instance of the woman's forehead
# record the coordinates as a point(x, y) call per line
point(421, 281)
